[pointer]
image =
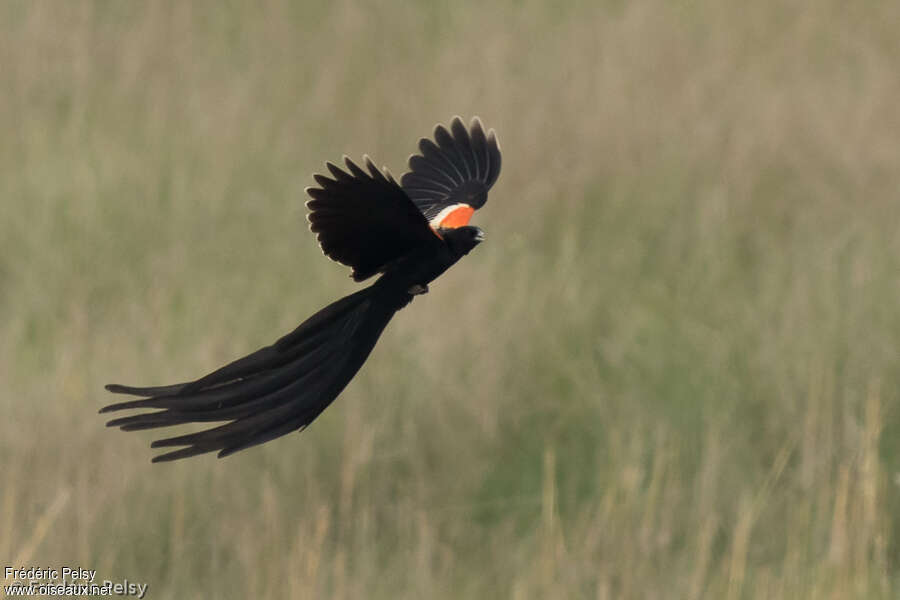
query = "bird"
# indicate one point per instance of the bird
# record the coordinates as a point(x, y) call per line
point(407, 234)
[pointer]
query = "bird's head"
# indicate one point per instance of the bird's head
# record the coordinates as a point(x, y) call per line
point(462, 239)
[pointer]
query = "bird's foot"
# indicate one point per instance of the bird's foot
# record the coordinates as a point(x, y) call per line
point(417, 289)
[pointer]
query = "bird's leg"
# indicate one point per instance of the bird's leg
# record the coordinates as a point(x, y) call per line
point(418, 288)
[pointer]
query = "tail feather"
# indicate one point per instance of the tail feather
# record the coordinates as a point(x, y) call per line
point(162, 390)
point(240, 407)
point(239, 392)
point(271, 392)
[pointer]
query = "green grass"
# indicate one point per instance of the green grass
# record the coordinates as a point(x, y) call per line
point(671, 371)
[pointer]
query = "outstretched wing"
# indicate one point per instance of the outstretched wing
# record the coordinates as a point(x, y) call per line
point(364, 220)
point(450, 177)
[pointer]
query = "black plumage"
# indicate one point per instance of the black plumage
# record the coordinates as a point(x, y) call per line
point(458, 167)
point(365, 220)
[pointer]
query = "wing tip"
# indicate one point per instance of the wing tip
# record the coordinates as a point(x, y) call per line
point(439, 129)
point(335, 170)
point(493, 139)
point(457, 122)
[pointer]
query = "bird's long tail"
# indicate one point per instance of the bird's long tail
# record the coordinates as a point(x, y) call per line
point(271, 392)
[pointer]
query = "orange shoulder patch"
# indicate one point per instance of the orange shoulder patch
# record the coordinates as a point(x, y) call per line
point(453, 216)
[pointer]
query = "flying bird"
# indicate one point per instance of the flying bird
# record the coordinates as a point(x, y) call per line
point(407, 234)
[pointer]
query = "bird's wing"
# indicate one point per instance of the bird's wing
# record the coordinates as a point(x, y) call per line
point(364, 220)
point(450, 177)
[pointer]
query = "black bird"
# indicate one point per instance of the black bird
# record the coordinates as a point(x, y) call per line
point(408, 233)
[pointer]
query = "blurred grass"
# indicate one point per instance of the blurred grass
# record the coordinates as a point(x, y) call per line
point(671, 371)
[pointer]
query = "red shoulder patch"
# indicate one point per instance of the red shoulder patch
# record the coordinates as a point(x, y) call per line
point(453, 216)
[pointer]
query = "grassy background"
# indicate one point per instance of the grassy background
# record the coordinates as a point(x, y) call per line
point(670, 372)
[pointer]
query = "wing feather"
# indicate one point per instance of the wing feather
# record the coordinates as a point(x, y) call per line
point(364, 219)
point(457, 169)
